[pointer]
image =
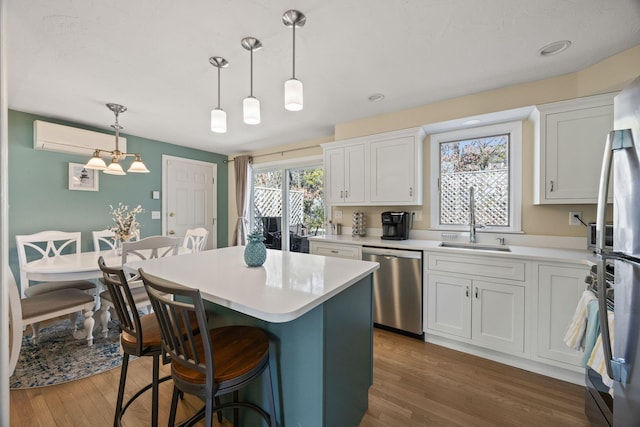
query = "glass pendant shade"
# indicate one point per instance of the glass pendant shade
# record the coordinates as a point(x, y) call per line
point(251, 110)
point(218, 120)
point(293, 95)
point(137, 166)
point(115, 168)
point(96, 162)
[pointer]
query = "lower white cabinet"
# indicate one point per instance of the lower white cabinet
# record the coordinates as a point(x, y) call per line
point(335, 250)
point(487, 313)
point(559, 290)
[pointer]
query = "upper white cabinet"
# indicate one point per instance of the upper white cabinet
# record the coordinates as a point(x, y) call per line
point(382, 169)
point(345, 174)
point(569, 143)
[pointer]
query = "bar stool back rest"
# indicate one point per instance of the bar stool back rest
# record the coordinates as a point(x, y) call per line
point(123, 302)
point(192, 352)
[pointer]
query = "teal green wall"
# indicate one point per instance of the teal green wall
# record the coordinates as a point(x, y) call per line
point(39, 198)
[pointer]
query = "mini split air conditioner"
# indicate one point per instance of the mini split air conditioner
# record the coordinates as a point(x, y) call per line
point(66, 139)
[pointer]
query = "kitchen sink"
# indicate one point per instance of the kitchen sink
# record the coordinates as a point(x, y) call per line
point(477, 246)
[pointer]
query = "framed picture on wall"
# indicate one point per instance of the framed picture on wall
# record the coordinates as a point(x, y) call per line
point(81, 178)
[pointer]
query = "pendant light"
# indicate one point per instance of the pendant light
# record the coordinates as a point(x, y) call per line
point(251, 105)
point(218, 115)
point(293, 91)
point(115, 168)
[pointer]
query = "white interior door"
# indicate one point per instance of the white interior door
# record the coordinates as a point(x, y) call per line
point(190, 197)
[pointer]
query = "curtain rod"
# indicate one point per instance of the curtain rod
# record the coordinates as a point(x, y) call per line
point(276, 152)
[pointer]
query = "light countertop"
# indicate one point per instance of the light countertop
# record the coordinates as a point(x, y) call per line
point(288, 285)
point(525, 252)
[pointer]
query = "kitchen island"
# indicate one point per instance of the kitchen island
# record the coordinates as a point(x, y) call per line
point(318, 312)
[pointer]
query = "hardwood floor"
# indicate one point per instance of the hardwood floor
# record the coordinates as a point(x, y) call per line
point(415, 384)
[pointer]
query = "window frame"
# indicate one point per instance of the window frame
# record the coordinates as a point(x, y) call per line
point(514, 129)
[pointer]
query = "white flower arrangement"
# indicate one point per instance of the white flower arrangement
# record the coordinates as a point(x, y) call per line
point(125, 219)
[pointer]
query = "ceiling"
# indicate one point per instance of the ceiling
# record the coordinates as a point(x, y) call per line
point(68, 58)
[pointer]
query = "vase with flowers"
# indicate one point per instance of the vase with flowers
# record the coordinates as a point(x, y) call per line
point(126, 225)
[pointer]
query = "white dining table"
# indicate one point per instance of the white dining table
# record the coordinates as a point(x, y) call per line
point(78, 266)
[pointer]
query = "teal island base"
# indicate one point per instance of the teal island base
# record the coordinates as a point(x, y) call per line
point(321, 362)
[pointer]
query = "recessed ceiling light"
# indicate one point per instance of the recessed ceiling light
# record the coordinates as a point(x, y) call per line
point(376, 97)
point(554, 48)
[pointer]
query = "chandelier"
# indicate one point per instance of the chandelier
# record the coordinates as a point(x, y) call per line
point(115, 168)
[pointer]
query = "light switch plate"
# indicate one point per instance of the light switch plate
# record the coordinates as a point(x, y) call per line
point(155, 195)
point(155, 214)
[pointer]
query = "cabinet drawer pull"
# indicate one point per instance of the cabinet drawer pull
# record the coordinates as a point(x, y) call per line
point(467, 292)
point(346, 194)
point(410, 191)
point(551, 186)
point(476, 292)
point(333, 251)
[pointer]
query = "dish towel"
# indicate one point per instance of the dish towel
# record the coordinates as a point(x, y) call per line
point(596, 361)
point(593, 330)
point(574, 337)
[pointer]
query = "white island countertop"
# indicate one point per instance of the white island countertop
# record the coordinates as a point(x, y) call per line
point(288, 285)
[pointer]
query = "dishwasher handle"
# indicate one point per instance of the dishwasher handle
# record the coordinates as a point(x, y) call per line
point(398, 253)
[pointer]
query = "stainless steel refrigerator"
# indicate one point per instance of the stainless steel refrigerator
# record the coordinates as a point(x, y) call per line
point(622, 159)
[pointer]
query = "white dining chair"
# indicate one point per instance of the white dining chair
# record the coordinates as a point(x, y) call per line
point(147, 248)
point(105, 240)
point(45, 306)
point(48, 244)
point(195, 239)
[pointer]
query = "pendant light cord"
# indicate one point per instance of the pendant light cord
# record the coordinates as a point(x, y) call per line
point(251, 79)
point(294, 50)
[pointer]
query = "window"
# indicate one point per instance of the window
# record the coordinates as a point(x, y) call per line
point(486, 158)
point(286, 222)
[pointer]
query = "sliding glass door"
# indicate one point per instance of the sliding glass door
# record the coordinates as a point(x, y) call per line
point(287, 205)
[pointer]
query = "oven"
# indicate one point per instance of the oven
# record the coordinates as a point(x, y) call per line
point(598, 400)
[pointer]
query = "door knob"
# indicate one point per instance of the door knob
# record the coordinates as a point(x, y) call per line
point(171, 214)
point(172, 232)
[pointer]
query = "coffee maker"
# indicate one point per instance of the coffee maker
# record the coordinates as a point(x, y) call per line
point(396, 225)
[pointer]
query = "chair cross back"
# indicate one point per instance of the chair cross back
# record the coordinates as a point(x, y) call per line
point(150, 247)
point(107, 239)
point(195, 239)
point(47, 244)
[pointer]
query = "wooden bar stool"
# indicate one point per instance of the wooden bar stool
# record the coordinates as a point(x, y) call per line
point(208, 365)
point(140, 337)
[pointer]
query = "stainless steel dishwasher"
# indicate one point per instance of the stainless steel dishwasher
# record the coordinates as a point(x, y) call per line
point(397, 288)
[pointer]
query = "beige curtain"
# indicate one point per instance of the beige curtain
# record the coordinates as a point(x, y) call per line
point(241, 169)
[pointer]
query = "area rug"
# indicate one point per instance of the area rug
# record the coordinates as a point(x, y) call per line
point(60, 358)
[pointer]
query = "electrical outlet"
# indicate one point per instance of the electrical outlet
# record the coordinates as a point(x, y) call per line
point(417, 216)
point(337, 214)
point(573, 218)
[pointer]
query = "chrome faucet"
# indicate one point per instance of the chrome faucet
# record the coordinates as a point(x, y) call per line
point(472, 215)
